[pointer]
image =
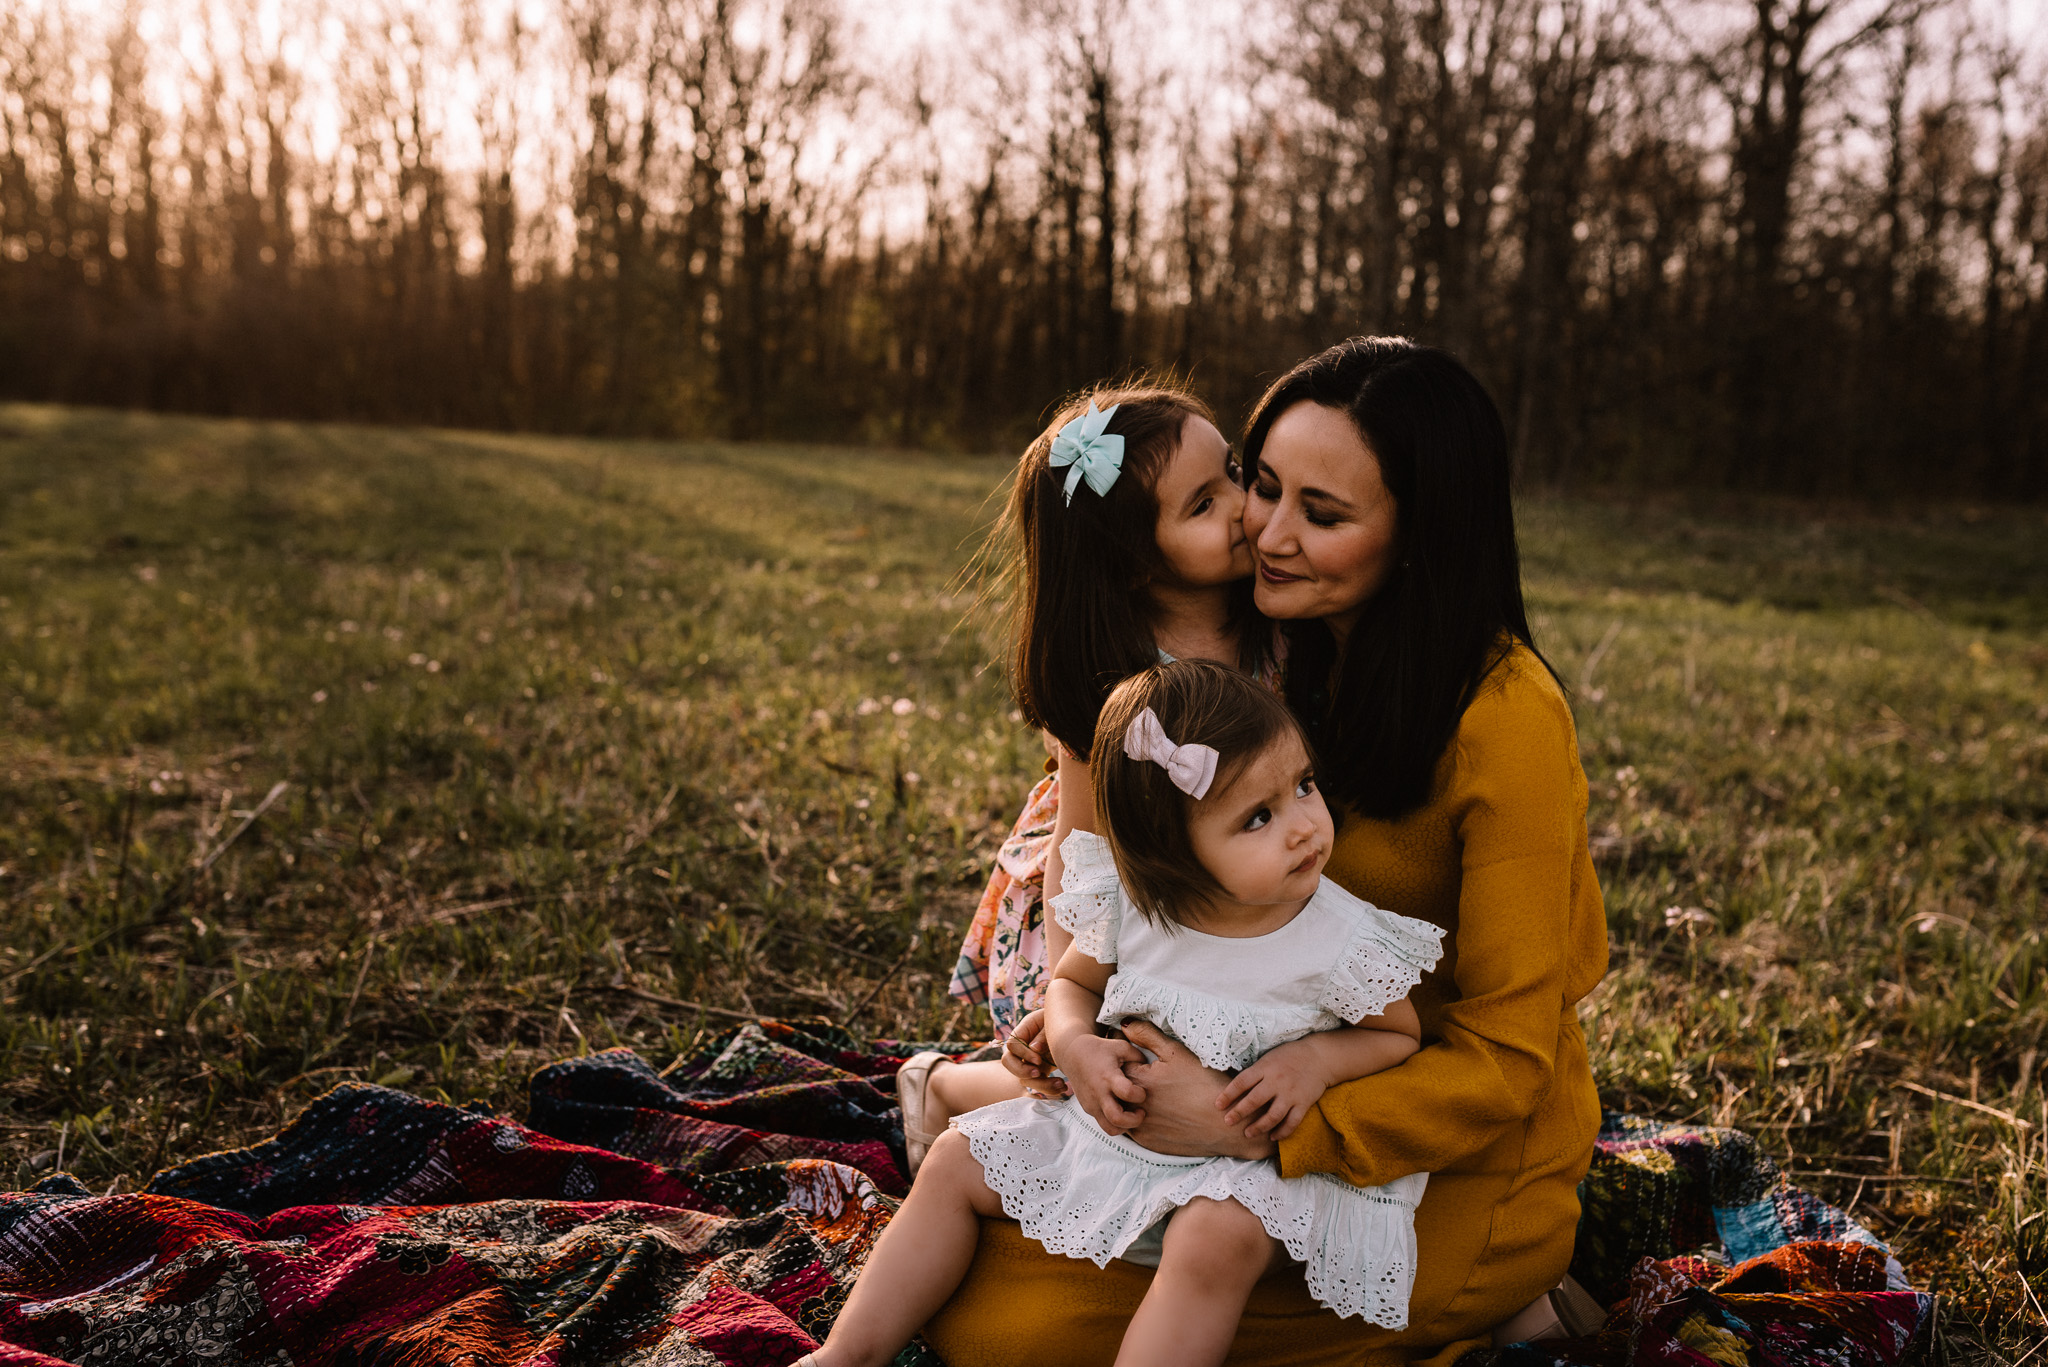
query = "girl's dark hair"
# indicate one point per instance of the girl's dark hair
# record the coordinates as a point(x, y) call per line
point(1081, 620)
point(1451, 607)
point(1144, 817)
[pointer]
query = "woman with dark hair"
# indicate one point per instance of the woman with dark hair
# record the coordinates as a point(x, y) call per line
point(1379, 508)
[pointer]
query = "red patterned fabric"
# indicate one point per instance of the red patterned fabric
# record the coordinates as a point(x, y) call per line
point(715, 1215)
point(381, 1228)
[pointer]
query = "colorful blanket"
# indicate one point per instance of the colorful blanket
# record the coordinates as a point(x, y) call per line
point(715, 1213)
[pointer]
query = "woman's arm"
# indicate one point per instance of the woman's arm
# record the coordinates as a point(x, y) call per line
point(1530, 942)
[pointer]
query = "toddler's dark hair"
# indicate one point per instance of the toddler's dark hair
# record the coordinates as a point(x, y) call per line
point(1143, 816)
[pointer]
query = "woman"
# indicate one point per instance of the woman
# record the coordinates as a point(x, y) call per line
point(1378, 504)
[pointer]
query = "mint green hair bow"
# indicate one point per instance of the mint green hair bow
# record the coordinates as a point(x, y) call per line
point(1094, 456)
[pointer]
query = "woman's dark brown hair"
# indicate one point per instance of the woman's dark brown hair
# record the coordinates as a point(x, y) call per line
point(1082, 620)
point(1384, 711)
point(1143, 816)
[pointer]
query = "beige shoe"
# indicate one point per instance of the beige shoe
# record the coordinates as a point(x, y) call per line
point(1568, 1311)
point(913, 1087)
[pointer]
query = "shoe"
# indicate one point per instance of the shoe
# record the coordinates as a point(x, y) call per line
point(913, 1087)
point(1581, 1315)
point(1568, 1311)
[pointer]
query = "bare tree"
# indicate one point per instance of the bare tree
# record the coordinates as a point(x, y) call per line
point(1786, 244)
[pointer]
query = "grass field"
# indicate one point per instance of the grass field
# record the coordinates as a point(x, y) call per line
point(582, 743)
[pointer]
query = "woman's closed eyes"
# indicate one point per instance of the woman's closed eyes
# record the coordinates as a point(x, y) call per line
point(1318, 513)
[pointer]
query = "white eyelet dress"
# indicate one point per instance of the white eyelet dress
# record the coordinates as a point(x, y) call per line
point(1085, 1193)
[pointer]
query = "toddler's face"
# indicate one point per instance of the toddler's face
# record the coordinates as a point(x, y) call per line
point(1201, 511)
point(1266, 837)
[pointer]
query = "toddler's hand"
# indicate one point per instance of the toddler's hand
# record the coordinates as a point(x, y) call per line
point(1275, 1093)
point(1026, 1058)
point(1095, 1069)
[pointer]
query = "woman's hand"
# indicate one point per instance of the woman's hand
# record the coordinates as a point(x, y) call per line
point(1181, 1115)
point(1025, 1058)
point(1096, 1066)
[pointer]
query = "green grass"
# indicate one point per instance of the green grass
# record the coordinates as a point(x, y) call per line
point(574, 731)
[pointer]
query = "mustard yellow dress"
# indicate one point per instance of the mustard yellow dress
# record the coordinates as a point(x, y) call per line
point(1498, 1107)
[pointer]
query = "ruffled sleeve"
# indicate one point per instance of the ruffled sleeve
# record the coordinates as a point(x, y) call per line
point(1387, 956)
point(1091, 901)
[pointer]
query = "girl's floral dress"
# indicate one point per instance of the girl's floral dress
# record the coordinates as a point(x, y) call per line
point(1002, 960)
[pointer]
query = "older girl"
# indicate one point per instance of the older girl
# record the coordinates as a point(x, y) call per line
point(1124, 544)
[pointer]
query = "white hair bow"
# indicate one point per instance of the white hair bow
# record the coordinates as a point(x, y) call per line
point(1191, 767)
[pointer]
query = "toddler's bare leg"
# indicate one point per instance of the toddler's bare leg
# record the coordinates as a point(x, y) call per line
point(1215, 1251)
point(957, 1088)
point(918, 1262)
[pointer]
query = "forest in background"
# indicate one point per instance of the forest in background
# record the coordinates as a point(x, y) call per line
point(1792, 246)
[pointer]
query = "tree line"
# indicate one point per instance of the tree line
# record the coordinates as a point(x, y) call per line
point(1795, 246)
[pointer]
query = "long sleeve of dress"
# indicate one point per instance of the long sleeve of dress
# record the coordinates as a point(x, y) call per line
point(1528, 939)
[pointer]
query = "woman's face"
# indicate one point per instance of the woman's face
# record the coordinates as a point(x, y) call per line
point(1200, 531)
point(1321, 520)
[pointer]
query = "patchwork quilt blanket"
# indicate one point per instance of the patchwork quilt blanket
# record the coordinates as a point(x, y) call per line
point(715, 1214)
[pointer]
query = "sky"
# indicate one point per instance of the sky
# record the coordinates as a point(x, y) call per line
point(958, 48)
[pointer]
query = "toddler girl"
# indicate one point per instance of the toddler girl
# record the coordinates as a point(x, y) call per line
point(1122, 542)
point(1203, 910)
